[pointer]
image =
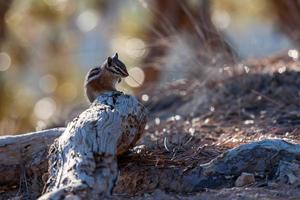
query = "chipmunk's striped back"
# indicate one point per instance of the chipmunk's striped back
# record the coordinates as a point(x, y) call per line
point(93, 74)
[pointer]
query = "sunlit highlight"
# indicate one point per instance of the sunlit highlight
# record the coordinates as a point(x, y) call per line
point(87, 20)
point(145, 97)
point(293, 54)
point(138, 79)
point(221, 19)
point(5, 61)
point(48, 83)
point(57, 4)
point(135, 47)
point(45, 108)
point(282, 69)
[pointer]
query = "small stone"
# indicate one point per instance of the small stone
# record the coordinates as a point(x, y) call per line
point(244, 179)
point(72, 197)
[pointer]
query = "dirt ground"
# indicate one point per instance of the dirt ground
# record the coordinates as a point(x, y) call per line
point(192, 122)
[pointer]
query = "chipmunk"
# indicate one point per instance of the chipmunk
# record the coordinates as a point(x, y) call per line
point(105, 77)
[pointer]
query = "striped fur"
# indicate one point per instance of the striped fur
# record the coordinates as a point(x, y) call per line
point(117, 67)
point(93, 74)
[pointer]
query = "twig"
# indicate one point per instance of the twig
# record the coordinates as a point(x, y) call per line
point(268, 98)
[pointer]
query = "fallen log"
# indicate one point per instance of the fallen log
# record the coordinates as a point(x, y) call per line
point(83, 160)
point(25, 155)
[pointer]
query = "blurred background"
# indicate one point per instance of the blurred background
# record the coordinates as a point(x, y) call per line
point(47, 47)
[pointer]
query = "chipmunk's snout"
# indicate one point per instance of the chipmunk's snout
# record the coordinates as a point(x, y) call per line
point(125, 73)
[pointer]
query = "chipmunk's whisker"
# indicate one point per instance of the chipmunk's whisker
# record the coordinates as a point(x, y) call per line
point(140, 84)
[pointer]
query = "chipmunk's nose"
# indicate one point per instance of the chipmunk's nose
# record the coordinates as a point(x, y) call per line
point(126, 73)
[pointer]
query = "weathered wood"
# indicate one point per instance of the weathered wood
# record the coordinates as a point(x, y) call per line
point(83, 160)
point(28, 151)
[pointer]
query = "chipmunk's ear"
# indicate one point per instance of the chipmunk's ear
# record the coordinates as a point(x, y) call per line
point(116, 55)
point(109, 61)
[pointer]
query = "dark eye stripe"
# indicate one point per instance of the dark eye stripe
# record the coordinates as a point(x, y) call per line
point(122, 68)
point(121, 65)
point(119, 70)
point(116, 70)
point(113, 70)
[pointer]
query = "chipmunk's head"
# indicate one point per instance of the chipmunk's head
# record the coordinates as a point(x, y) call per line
point(116, 67)
point(105, 77)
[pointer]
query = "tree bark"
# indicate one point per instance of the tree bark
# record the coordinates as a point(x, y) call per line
point(288, 15)
point(4, 7)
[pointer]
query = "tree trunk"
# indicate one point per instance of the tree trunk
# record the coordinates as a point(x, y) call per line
point(288, 15)
point(176, 20)
point(4, 7)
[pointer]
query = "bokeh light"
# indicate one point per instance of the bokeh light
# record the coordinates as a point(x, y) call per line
point(136, 78)
point(48, 83)
point(5, 61)
point(221, 19)
point(293, 53)
point(87, 20)
point(145, 97)
point(57, 4)
point(135, 47)
point(45, 108)
point(40, 125)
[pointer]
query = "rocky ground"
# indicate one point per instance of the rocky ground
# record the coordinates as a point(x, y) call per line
point(192, 122)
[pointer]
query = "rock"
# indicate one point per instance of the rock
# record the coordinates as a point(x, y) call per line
point(288, 172)
point(244, 179)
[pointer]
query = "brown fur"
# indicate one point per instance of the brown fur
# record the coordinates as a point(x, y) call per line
point(105, 82)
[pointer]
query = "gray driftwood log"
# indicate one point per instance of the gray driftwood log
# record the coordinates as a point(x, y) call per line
point(83, 160)
point(25, 155)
